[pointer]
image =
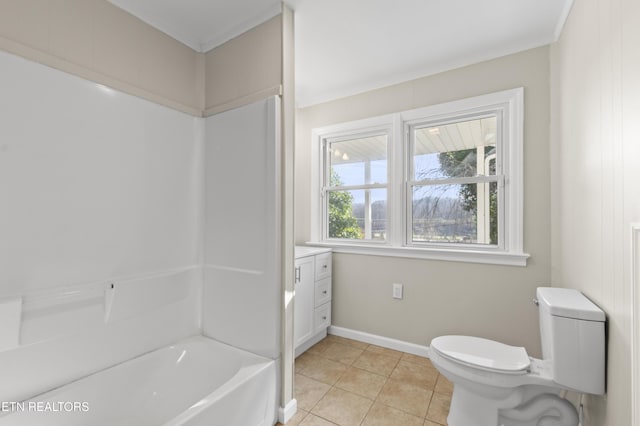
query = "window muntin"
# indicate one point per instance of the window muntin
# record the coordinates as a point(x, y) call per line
point(453, 193)
point(355, 187)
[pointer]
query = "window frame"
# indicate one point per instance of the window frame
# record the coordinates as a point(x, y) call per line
point(509, 104)
point(499, 178)
point(338, 137)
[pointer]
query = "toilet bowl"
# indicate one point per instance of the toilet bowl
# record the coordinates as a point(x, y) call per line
point(501, 385)
point(490, 378)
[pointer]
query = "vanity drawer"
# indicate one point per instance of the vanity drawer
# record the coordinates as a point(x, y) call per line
point(323, 317)
point(323, 266)
point(323, 292)
point(313, 293)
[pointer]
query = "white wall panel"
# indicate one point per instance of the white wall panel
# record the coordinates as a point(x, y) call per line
point(63, 343)
point(96, 188)
point(93, 183)
point(596, 181)
point(242, 288)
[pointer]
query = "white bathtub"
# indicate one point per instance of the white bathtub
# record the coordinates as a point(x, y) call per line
point(196, 381)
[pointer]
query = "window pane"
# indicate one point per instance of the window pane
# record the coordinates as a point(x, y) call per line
point(358, 161)
point(456, 213)
point(358, 214)
point(462, 149)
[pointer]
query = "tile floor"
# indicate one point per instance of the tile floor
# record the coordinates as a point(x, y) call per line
point(348, 383)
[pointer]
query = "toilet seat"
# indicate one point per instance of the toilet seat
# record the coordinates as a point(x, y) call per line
point(483, 354)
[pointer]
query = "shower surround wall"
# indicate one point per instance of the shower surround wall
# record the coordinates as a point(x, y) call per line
point(96, 188)
point(242, 228)
point(103, 220)
point(102, 192)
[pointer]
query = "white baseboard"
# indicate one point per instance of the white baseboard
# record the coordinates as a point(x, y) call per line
point(385, 342)
point(635, 329)
point(286, 413)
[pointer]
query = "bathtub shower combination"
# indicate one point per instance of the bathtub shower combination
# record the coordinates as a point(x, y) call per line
point(196, 381)
point(139, 269)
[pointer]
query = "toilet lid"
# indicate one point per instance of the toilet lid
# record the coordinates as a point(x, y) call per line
point(482, 353)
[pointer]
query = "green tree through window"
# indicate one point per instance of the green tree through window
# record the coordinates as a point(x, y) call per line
point(342, 223)
point(462, 163)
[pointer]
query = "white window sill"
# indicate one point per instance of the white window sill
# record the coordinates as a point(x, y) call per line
point(469, 256)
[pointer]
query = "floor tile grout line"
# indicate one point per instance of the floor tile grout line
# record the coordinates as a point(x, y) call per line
point(344, 390)
point(402, 357)
point(397, 408)
point(386, 379)
point(429, 404)
point(404, 411)
point(325, 394)
point(324, 418)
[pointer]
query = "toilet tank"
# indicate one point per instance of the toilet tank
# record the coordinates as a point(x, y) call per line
point(572, 332)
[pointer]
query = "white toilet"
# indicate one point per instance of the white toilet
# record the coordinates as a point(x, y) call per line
point(500, 385)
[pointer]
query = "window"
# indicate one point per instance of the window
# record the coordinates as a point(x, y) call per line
point(442, 182)
point(355, 187)
point(453, 186)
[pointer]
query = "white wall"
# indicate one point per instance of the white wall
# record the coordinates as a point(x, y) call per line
point(444, 297)
point(242, 293)
point(596, 177)
point(95, 183)
point(96, 187)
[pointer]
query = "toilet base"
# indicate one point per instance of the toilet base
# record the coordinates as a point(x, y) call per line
point(468, 409)
point(523, 406)
point(545, 409)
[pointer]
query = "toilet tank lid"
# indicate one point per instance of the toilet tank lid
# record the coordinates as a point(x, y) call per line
point(569, 303)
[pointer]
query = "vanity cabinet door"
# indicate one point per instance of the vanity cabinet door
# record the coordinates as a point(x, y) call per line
point(303, 327)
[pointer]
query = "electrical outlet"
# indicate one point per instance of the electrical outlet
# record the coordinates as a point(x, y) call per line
point(397, 291)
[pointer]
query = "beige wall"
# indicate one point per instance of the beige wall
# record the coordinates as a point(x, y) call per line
point(245, 68)
point(444, 297)
point(596, 176)
point(100, 42)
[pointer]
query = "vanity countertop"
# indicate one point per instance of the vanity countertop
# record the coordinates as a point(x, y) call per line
point(304, 251)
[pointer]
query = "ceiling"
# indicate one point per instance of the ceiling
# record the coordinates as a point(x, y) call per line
point(344, 47)
point(202, 24)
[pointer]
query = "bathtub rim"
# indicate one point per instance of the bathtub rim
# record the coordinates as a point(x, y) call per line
point(258, 364)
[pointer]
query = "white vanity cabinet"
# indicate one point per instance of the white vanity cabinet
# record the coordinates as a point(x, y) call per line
point(312, 305)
